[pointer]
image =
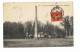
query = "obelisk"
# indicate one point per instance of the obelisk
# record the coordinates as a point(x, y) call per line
point(35, 29)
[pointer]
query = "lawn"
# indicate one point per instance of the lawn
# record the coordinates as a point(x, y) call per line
point(57, 42)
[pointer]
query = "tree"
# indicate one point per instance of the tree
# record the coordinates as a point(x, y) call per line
point(7, 29)
point(28, 28)
point(13, 30)
point(67, 25)
point(71, 25)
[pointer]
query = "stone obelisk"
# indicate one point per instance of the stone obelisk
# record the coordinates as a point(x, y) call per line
point(35, 29)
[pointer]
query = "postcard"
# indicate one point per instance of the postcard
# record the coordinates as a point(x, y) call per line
point(38, 24)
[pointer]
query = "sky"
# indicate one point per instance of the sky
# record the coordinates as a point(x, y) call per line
point(25, 11)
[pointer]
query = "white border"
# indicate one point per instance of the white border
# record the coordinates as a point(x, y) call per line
point(35, 0)
point(76, 16)
point(1, 23)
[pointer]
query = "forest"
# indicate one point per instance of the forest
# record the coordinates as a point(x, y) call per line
point(17, 30)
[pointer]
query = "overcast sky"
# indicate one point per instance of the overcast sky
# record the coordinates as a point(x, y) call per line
point(23, 12)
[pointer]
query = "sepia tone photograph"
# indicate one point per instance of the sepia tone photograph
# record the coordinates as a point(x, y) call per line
point(38, 24)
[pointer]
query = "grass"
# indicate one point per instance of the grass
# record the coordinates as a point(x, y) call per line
point(57, 42)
